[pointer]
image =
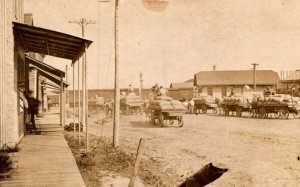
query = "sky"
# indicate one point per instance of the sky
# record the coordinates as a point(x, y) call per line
point(172, 45)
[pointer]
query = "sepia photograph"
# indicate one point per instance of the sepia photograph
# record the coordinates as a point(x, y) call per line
point(149, 93)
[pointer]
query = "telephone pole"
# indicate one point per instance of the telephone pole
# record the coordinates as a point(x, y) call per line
point(83, 23)
point(141, 84)
point(116, 124)
point(254, 75)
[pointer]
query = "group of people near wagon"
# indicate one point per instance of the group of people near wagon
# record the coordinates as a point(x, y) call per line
point(159, 90)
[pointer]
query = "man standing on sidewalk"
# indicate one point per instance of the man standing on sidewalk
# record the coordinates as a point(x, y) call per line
point(32, 109)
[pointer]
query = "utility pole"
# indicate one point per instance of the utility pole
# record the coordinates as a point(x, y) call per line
point(141, 84)
point(254, 75)
point(83, 23)
point(116, 124)
point(151, 5)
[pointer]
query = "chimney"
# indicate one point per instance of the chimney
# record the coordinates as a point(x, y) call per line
point(214, 68)
point(28, 19)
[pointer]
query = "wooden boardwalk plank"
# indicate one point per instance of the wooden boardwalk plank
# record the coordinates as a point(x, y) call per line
point(45, 159)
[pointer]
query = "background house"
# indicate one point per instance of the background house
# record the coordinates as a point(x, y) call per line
point(290, 83)
point(220, 83)
point(180, 90)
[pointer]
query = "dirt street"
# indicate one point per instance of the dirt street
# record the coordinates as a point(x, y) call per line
point(257, 152)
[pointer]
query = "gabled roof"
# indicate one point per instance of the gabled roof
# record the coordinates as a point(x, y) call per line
point(190, 80)
point(242, 77)
point(184, 85)
point(49, 42)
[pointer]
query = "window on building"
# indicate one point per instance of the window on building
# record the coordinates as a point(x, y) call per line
point(224, 91)
point(210, 91)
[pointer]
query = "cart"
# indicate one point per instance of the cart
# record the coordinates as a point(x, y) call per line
point(235, 108)
point(279, 110)
point(204, 103)
point(131, 104)
point(131, 108)
point(204, 107)
point(159, 117)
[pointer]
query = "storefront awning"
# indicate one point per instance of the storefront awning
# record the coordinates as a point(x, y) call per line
point(47, 71)
point(49, 42)
point(44, 66)
point(51, 77)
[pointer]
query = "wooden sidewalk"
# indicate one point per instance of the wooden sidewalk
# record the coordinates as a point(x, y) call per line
point(45, 159)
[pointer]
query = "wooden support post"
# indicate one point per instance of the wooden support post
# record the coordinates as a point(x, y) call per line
point(86, 101)
point(74, 98)
point(64, 104)
point(79, 104)
point(61, 100)
point(136, 163)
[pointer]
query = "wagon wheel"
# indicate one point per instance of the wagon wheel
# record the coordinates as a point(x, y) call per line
point(296, 114)
point(250, 113)
point(284, 113)
point(215, 110)
point(171, 122)
point(204, 109)
point(196, 110)
point(141, 110)
point(262, 112)
point(152, 117)
point(221, 111)
point(180, 121)
point(238, 111)
point(161, 119)
point(226, 111)
point(127, 110)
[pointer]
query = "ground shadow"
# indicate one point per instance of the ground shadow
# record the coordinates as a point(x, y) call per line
point(143, 124)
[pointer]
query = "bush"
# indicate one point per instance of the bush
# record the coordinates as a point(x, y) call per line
point(12, 149)
point(5, 162)
point(70, 127)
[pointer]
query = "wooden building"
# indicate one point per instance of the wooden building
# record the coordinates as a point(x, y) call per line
point(220, 83)
point(182, 90)
point(291, 83)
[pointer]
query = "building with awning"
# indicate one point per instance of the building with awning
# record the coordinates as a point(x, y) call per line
point(42, 78)
point(16, 40)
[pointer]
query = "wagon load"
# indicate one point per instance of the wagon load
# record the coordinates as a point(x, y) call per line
point(177, 105)
point(204, 100)
point(165, 98)
point(131, 104)
point(132, 100)
point(160, 105)
point(279, 99)
point(236, 100)
point(166, 103)
point(295, 102)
